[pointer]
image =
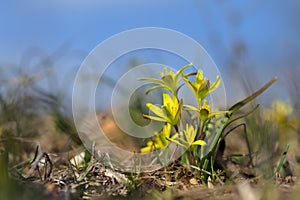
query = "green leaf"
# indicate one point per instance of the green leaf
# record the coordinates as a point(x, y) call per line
point(154, 80)
point(214, 143)
point(156, 87)
point(240, 104)
point(155, 118)
point(176, 142)
point(188, 107)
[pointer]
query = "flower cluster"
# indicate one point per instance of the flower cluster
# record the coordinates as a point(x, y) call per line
point(188, 126)
point(171, 109)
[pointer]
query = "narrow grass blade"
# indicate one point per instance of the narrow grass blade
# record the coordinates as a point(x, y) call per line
point(279, 166)
point(240, 104)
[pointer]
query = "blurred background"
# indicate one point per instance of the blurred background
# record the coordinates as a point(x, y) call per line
point(250, 41)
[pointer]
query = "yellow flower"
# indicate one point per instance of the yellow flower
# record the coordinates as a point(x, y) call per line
point(169, 112)
point(201, 86)
point(159, 140)
point(278, 112)
point(204, 113)
point(169, 80)
point(186, 138)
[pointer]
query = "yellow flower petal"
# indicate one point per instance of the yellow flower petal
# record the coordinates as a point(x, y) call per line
point(199, 142)
point(156, 110)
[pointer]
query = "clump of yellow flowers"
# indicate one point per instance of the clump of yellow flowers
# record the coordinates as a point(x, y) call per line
point(201, 134)
point(170, 111)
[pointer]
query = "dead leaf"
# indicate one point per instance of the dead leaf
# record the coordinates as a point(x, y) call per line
point(193, 181)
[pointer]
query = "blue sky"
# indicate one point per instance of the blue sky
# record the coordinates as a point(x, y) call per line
point(266, 29)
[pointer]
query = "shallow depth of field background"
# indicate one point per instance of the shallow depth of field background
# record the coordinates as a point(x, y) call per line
point(249, 41)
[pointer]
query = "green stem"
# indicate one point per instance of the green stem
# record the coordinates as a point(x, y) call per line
point(279, 166)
